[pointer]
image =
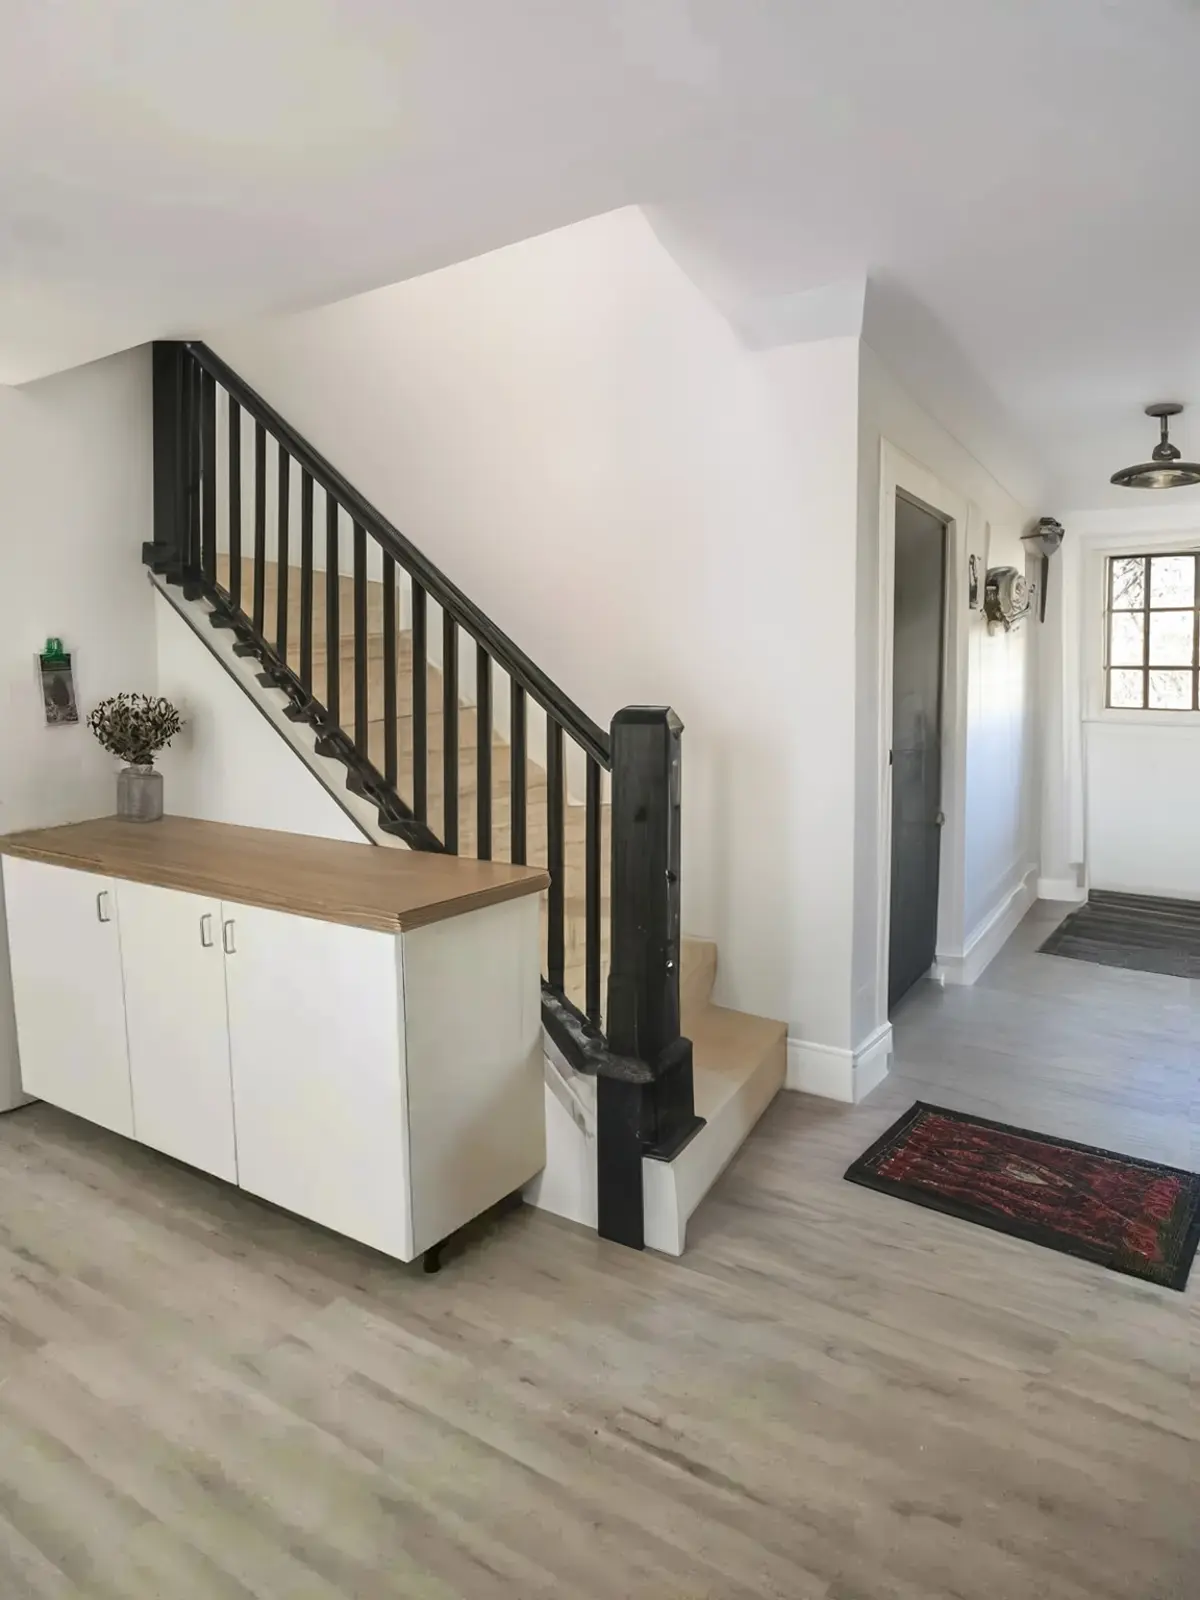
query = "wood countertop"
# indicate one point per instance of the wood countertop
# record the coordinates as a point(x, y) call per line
point(364, 885)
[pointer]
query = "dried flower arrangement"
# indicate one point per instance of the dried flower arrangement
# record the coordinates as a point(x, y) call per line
point(135, 727)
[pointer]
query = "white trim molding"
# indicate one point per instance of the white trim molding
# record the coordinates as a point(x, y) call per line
point(966, 529)
point(839, 1074)
point(991, 935)
point(1060, 889)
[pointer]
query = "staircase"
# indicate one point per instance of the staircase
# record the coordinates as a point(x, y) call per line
point(467, 788)
point(369, 663)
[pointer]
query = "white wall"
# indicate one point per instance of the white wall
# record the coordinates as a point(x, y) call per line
point(1119, 813)
point(1142, 783)
point(228, 764)
point(575, 436)
point(75, 507)
point(1000, 827)
point(805, 817)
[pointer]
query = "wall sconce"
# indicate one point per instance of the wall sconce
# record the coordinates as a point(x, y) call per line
point(1042, 541)
point(1006, 598)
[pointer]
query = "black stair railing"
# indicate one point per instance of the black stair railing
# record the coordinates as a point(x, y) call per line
point(342, 624)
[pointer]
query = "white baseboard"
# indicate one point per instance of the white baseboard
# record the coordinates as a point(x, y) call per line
point(835, 1073)
point(872, 1061)
point(991, 935)
point(1060, 889)
point(820, 1069)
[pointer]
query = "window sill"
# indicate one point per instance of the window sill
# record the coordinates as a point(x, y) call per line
point(1151, 719)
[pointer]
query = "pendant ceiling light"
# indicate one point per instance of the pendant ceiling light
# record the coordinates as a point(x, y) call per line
point(1164, 470)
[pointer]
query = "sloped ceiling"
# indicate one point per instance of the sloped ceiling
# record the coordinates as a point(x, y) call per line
point(1018, 176)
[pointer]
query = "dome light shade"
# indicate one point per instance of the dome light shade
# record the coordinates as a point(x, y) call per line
point(1164, 470)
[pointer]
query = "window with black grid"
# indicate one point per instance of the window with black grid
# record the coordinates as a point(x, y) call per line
point(1153, 633)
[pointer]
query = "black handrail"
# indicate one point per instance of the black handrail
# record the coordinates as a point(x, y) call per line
point(575, 721)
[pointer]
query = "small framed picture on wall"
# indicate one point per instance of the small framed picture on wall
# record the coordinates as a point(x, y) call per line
point(56, 677)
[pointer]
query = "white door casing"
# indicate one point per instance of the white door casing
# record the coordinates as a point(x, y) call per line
point(899, 472)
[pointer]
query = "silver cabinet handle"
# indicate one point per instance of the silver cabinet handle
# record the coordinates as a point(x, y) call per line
point(206, 934)
point(227, 938)
point(102, 912)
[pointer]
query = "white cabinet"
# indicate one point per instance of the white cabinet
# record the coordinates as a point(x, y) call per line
point(317, 1040)
point(473, 1062)
point(177, 1025)
point(386, 1084)
point(65, 956)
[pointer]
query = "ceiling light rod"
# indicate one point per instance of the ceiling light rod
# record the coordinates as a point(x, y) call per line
point(1164, 470)
point(1164, 450)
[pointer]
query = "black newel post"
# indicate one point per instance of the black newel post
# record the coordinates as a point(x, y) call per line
point(168, 553)
point(654, 1118)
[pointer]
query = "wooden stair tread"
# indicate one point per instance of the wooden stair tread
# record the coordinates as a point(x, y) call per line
point(728, 1048)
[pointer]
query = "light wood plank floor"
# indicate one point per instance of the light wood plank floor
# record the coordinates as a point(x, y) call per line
point(832, 1395)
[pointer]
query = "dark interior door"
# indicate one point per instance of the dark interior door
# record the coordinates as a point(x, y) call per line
point(916, 744)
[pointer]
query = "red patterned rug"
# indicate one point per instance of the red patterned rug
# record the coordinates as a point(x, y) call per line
point(1134, 1216)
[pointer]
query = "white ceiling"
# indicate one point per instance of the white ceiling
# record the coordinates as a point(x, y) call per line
point(1015, 176)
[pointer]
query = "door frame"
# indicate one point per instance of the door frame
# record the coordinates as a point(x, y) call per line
point(900, 474)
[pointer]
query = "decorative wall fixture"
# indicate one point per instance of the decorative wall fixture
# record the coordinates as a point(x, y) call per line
point(973, 581)
point(56, 678)
point(1164, 470)
point(1006, 598)
point(1042, 541)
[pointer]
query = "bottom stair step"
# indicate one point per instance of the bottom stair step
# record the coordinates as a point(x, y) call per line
point(728, 1049)
point(739, 1063)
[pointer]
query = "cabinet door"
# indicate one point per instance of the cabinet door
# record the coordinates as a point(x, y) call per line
point(317, 1085)
point(65, 954)
point(178, 1028)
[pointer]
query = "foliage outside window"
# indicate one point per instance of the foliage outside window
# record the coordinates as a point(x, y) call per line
point(1153, 653)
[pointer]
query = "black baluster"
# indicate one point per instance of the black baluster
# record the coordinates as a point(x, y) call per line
point(483, 754)
point(593, 842)
point(306, 580)
point(390, 762)
point(281, 554)
point(333, 638)
point(420, 687)
point(449, 732)
point(194, 467)
point(235, 502)
point(260, 527)
point(208, 474)
point(518, 775)
point(361, 641)
point(556, 931)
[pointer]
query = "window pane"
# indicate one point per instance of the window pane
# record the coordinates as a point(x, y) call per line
point(1173, 581)
point(1170, 691)
point(1128, 583)
point(1171, 638)
point(1125, 689)
point(1126, 639)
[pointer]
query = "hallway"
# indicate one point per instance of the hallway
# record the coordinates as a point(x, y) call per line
point(832, 1396)
point(1099, 1054)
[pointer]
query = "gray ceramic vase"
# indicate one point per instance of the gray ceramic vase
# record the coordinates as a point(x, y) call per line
point(139, 794)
